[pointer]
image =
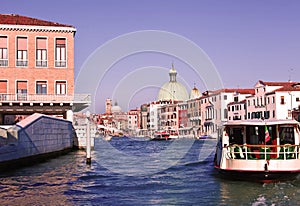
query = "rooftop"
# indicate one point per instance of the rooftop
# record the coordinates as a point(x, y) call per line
point(15, 19)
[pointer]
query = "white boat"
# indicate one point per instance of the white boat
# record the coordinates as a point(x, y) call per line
point(262, 150)
point(161, 135)
point(173, 134)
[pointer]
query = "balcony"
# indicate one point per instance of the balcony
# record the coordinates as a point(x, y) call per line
point(44, 98)
point(35, 98)
point(77, 101)
point(60, 63)
point(22, 63)
point(3, 62)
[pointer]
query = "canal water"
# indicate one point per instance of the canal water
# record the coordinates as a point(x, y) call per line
point(132, 171)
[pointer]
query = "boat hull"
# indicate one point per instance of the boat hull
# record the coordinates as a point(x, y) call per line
point(258, 176)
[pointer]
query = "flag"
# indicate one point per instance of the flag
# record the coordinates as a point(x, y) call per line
point(267, 135)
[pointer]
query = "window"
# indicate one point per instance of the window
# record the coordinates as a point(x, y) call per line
point(225, 97)
point(3, 86)
point(281, 99)
point(236, 99)
point(60, 52)
point(3, 89)
point(61, 87)
point(22, 52)
point(273, 100)
point(22, 90)
point(273, 113)
point(41, 87)
point(297, 99)
point(3, 51)
point(41, 52)
point(225, 113)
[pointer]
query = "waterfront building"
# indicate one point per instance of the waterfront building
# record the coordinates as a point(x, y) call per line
point(168, 117)
point(194, 117)
point(273, 100)
point(214, 112)
point(36, 69)
point(237, 110)
point(133, 118)
point(183, 119)
point(119, 118)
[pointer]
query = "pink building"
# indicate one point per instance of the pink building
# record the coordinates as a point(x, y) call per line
point(273, 100)
point(36, 67)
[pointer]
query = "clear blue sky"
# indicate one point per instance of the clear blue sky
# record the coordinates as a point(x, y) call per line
point(246, 40)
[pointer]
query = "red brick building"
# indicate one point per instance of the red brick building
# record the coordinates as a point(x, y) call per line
point(36, 67)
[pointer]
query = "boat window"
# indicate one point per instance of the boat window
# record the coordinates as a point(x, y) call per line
point(286, 135)
point(236, 136)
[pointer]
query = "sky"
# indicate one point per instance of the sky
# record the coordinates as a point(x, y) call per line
point(246, 41)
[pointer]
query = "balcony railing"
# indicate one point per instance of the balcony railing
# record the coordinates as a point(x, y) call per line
point(3, 62)
point(22, 63)
point(35, 98)
point(41, 63)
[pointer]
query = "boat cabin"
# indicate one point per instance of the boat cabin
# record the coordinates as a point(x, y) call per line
point(255, 136)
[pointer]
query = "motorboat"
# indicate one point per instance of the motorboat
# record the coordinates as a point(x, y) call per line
point(261, 150)
point(161, 135)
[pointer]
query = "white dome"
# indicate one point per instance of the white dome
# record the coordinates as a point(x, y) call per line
point(116, 108)
point(173, 90)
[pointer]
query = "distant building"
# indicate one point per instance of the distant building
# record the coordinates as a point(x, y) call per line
point(133, 118)
point(194, 116)
point(108, 106)
point(183, 119)
point(119, 118)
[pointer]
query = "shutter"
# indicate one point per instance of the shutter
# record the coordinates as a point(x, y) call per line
point(21, 85)
point(22, 43)
point(3, 87)
point(3, 42)
point(41, 43)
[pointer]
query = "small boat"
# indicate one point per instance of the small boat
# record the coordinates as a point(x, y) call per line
point(259, 150)
point(163, 135)
point(173, 134)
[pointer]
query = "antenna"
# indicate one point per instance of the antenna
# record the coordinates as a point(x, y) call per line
point(290, 74)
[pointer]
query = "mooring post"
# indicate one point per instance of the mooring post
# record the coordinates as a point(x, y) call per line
point(88, 139)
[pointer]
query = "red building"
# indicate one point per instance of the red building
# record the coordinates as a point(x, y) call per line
point(36, 67)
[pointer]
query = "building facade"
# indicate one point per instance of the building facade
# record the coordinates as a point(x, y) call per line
point(36, 67)
point(273, 100)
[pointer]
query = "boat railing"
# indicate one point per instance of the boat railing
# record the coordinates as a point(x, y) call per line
point(262, 152)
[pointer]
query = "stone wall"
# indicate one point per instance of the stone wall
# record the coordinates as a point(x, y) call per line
point(36, 135)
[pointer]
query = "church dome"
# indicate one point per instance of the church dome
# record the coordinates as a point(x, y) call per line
point(195, 93)
point(173, 90)
point(116, 108)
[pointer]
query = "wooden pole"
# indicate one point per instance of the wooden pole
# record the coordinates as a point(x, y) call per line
point(88, 139)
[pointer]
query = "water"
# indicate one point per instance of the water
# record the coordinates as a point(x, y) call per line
point(191, 180)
